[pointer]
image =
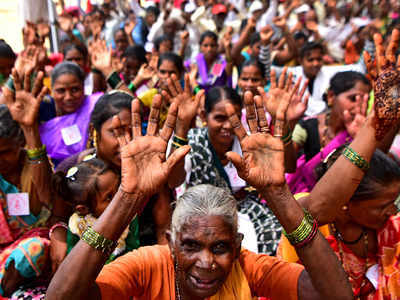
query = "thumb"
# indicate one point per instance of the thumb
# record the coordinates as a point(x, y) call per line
point(236, 160)
point(176, 157)
point(347, 117)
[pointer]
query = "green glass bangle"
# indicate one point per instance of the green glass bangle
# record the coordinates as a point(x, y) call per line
point(132, 87)
point(98, 242)
point(302, 231)
point(37, 152)
point(196, 90)
point(355, 159)
point(114, 80)
point(179, 140)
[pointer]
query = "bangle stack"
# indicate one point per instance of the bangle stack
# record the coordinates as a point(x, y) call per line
point(132, 87)
point(37, 155)
point(57, 225)
point(304, 233)
point(196, 89)
point(98, 241)
point(355, 159)
point(287, 138)
point(114, 80)
point(178, 142)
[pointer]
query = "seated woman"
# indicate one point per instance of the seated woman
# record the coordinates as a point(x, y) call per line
point(317, 136)
point(204, 257)
point(211, 66)
point(24, 192)
point(65, 117)
point(356, 197)
point(89, 187)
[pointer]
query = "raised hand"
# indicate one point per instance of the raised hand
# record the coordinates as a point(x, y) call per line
point(24, 103)
point(27, 60)
point(266, 34)
point(262, 163)
point(66, 23)
point(386, 82)
point(284, 89)
point(355, 120)
point(144, 168)
point(101, 56)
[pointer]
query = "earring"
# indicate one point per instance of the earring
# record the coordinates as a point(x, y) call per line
point(345, 207)
point(213, 266)
point(95, 139)
point(204, 124)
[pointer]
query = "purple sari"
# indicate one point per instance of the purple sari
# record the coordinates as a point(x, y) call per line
point(216, 76)
point(303, 180)
point(51, 131)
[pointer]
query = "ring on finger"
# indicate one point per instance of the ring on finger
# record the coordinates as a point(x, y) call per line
point(264, 129)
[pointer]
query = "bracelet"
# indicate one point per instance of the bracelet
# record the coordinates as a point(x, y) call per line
point(287, 138)
point(303, 232)
point(355, 159)
point(59, 224)
point(196, 89)
point(114, 80)
point(180, 140)
point(132, 87)
point(10, 83)
point(310, 237)
point(98, 242)
point(36, 153)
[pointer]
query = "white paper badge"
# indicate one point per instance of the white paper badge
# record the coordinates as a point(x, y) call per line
point(71, 135)
point(236, 182)
point(373, 276)
point(18, 204)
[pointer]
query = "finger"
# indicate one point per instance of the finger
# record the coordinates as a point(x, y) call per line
point(289, 82)
point(43, 92)
point(170, 122)
point(398, 63)
point(304, 87)
point(136, 121)
point(17, 81)
point(364, 104)
point(251, 116)
point(116, 125)
point(37, 86)
point(370, 66)
point(199, 97)
point(263, 94)
point(167, 97)
point(27, 80)
point(154, 116)
point(393, 46)
point(306, 98)
point(171, 88)
point(236, 160)
point(8, 95)
point(280, 116)
point(188, 88)
point(176, 156)
point(282, 78)
point(273, 79)
point(347, 117)
point(235, 122)
point(262, 119)
point(295, 87)
point(380, 52)
point(177, 84)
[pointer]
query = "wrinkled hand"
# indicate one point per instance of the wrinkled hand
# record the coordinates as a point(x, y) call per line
point(386, 82)
point(24, 103)
point(146, 72)
point(27, 60)
point(262, 163)
point(283, 90)
point(144, 168)
point(353, 121)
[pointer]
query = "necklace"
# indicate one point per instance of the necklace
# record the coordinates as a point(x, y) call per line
point(177, 284)
point(364, 235)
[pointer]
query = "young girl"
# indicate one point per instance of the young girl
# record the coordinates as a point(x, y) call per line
point(89, 187)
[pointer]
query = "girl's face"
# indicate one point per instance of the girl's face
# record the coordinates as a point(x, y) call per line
point(165, 70)
point(209, 49)
point(107, 144)
point(250, 79)
point(373, 213)
point(68, 94)
point(121, 41)
point(348, 99)
point(220, 129)
point(165, 46)
point(75, 56)
point(107, 185)
point(130, 68)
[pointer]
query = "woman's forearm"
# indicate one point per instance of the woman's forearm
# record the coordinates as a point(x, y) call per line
point(76, 275)
point(323, 268)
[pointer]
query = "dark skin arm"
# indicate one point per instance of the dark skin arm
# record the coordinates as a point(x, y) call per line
point(242, 42)
point(143, 172)
point(262, 166)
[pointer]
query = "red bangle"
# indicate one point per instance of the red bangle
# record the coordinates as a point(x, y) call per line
point(59, 224)
point(310, 237)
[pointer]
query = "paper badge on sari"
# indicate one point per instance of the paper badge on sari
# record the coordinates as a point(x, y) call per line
point(71, 135)
point(217, 70)
point(18, 204)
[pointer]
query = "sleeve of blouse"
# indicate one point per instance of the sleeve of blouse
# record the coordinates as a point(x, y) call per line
point(299, 135)
point(270, 277)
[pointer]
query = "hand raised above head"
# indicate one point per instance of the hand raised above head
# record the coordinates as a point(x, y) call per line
point(262, 163)
point(144, 168)
point(386, 82)
point(24, 103)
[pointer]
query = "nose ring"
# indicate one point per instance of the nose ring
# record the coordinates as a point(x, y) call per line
point(213, 266)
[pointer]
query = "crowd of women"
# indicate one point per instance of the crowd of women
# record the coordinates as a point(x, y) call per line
point(203, 150)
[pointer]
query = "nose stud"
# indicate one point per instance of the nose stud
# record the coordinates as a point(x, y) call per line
point(213, 266)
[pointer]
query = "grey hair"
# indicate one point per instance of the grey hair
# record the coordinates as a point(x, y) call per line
point(202, 201)
point(67, 67)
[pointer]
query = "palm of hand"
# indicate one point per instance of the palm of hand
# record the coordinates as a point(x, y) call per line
point(274, 94)
point(25, 109)
point(262, 161)
point(142, 165)
point(187, 107)
point(101, 58)
point(296, 109)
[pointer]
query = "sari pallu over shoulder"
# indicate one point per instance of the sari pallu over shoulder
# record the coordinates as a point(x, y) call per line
point(51, 135)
